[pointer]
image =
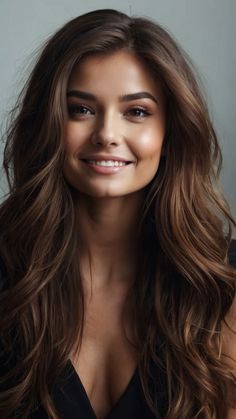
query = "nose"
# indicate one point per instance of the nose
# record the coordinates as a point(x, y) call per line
point(107, 130)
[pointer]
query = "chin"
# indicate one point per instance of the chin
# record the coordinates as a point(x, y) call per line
point(105, 195)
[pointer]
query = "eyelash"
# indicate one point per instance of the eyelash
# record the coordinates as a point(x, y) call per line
point(139, 109)
point(74, 110)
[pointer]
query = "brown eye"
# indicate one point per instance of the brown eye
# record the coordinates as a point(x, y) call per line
point(79, 110)
point(138, 112)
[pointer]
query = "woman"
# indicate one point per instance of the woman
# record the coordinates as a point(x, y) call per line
point(116, 285)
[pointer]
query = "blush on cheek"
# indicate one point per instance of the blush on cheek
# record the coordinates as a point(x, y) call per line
point(149, 142)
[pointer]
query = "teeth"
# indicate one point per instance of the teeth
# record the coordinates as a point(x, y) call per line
point(107, 163)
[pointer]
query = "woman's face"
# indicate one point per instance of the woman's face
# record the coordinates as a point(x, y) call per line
point(115, 126)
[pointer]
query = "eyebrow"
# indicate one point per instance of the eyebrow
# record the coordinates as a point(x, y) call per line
point(123, 98)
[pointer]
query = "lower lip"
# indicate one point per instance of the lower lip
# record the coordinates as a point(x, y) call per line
point(106, 170)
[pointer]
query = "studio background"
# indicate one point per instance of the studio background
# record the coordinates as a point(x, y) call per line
point(206, 29)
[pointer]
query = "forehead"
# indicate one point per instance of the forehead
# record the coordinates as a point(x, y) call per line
point(120, 72)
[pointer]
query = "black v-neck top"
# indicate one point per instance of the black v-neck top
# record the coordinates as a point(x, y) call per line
point(72, 402)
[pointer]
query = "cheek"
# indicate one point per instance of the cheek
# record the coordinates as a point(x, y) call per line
point(74, 138)
point(70, 140)
point(148, 143)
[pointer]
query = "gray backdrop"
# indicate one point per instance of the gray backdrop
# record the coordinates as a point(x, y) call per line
point(205, 28)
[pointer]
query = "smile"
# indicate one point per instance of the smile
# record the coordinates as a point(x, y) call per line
point(106, 167)
point(107, 163)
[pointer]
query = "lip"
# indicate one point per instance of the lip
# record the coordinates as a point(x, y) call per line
point(105, 170)
point(105, 157)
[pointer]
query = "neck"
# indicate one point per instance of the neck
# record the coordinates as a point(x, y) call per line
point(108, 238)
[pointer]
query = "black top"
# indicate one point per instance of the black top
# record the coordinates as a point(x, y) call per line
point(72, 402)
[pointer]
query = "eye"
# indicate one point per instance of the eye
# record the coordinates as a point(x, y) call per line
point(138, 112)
point(78, 111)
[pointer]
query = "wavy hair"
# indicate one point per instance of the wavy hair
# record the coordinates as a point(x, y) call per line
point(186, 285)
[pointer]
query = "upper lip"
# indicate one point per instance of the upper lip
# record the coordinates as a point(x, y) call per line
point(104, 157)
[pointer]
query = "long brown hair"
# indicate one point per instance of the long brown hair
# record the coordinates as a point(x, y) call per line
point(186, 285)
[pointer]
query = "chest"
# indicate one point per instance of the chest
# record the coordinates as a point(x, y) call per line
point(107, 360)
